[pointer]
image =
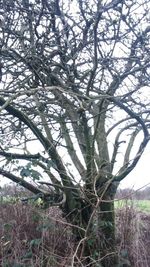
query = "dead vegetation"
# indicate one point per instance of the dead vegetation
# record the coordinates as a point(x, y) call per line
point(30, 237)
point(133, 236)
point(33, 237)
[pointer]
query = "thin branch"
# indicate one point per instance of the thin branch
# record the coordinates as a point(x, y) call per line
point(21, 182)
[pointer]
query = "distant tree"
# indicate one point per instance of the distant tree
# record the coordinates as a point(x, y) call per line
point(143, 194)
point(126, 193)
point(9, 191)
point(75, 108)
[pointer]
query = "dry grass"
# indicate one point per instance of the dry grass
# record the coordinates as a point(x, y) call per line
point(133, 236)
point(34, 238)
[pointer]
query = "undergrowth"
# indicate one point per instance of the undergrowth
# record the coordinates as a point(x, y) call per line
point(31, 237)
point(133, 235)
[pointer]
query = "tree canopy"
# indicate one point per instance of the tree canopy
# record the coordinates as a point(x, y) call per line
point(74, 94)
point(67, 69)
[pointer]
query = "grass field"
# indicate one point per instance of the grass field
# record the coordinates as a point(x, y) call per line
point(141, 205)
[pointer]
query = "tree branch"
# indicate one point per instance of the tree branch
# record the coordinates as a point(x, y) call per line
point(21, 182)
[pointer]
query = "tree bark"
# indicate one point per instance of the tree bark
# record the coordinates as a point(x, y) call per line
point(97, 239)
point(106, 232)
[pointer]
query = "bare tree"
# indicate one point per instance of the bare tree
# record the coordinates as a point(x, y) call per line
point(73, 96)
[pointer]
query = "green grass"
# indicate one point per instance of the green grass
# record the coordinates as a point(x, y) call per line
point(141, 205)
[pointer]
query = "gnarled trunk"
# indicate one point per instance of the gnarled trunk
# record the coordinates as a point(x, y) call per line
point(106, 232)
point(94, 232)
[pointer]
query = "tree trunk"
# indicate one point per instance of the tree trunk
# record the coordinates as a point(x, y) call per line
point(106, 232)
point(97, 243)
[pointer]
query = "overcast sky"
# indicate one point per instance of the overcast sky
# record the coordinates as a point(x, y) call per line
point(140, 176)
